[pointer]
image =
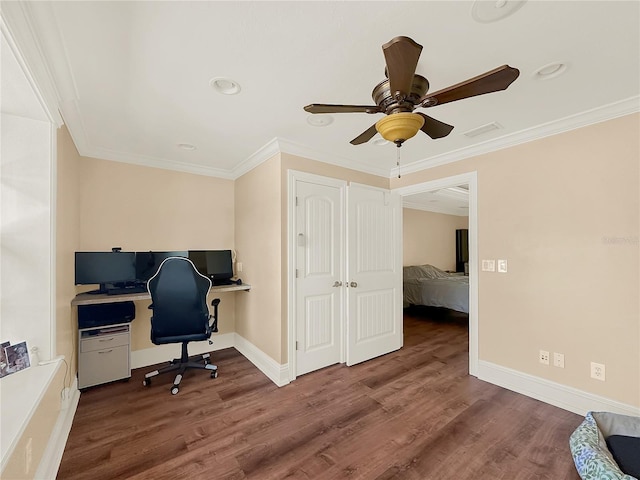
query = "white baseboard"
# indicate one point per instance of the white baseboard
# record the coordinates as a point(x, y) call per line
point(562, 396)
point(167, 352)
point(52, 456)
point(277, 373)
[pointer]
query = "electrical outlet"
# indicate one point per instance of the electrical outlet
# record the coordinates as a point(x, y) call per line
point(558, 360)
point(598, 371)
point(544, 357)
point(28, 455)
point(488, 265)
point(239, 267)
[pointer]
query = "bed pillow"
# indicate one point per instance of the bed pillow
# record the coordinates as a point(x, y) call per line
point(626, 453)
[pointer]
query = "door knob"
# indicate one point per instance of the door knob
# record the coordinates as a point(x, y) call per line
point(337, 284)
point(353, 284)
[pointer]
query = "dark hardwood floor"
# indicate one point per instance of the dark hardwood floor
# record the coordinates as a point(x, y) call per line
point(412, 414)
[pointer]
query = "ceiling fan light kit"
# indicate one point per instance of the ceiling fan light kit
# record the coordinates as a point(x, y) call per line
point(399, 127)
point(403, 91)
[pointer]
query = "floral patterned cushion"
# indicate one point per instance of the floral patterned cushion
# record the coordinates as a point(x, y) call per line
point(590, 454)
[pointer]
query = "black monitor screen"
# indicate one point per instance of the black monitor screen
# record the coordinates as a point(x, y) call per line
point(105, 267)
point(147, 263)
point(219, 264)
point(215, 264)
point(199, 259)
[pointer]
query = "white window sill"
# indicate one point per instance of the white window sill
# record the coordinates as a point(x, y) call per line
point(20, 395)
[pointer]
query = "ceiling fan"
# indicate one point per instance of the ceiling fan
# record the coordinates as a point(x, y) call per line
point(403, 91)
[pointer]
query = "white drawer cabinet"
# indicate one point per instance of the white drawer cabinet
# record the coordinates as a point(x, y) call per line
point(104, 354)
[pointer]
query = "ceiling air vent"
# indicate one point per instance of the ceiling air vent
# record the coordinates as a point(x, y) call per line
point(489, 127)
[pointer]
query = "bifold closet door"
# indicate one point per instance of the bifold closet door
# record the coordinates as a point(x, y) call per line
point(374, 298)
point(319, 275)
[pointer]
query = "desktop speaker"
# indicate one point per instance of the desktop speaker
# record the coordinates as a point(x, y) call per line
point(99, 315)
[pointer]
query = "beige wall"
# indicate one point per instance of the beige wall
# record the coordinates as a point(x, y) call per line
point(142, 208)
point(259, 312)
point(564, 211)
point(430, 238)
point(67, 243)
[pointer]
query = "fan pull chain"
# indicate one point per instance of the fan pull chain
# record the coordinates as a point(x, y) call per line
point(398, 157)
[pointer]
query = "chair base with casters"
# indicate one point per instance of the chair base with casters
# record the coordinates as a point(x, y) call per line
point(181, 364)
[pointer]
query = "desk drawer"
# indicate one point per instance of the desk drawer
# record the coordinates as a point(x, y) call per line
point(104, 365)
point(101, 342)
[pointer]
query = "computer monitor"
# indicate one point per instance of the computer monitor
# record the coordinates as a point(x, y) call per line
point(105, 268)
point(220, 266)
point(215, 264)
point(147, 263)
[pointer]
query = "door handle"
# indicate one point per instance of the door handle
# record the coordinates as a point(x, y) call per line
point(337, 283)
point(353, 284)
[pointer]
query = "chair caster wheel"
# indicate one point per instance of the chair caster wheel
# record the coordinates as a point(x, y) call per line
point(214, 374)
point(146, 382)
point(174, 390)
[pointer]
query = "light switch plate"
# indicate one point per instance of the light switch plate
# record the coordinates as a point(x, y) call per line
point(502, 266)
point(488, 265)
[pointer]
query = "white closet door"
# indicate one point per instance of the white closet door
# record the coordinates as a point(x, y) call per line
point(374, 274)
point(320, 260)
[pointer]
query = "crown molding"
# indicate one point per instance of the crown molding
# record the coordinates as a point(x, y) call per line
point(155, 162)
point(572, 122)
point(17, 25)
point(435, 209)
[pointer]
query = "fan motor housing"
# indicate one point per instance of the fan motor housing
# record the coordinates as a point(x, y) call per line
point(390, 104)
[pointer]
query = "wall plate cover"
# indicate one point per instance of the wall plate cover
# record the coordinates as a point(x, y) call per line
point(488, 265)
point(502, 266)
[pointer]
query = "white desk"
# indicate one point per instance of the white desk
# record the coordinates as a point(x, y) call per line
point(94, 299)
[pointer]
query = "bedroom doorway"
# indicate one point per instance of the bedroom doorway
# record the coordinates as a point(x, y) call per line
point(453, 191)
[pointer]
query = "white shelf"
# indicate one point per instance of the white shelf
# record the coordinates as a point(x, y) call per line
point(20, 395)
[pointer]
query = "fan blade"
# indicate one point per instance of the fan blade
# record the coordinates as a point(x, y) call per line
point(401, 55)
point(365, 136)
point(492, 81)
point(324, 108)
point(435, 128)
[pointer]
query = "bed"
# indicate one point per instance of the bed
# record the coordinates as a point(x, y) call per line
point(429, 286)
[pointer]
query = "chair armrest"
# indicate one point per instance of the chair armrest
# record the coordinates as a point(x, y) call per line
point(214, 323)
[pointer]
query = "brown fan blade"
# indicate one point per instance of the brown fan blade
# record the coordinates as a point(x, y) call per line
point(324, 108)
point(365, 136)
point(401, 55)
point(492, 81)
point(435, 128)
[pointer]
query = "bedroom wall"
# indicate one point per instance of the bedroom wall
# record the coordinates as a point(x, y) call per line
point(67, 243)
point(257, 203)
point(142, 208)
point(430, 238)
point(569, 231)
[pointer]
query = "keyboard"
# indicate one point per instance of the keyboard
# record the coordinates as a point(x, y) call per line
point(126, 290)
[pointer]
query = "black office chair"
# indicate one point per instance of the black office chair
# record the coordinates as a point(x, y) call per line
point(180, 315)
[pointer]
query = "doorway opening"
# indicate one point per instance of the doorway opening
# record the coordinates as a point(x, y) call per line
point(451, 194)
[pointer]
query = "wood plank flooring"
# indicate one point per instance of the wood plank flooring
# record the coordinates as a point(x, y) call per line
point(413, 414)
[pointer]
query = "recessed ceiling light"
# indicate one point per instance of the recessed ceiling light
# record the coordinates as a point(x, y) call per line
point(319, 120)
point(550, 70)
point(484, 11)
point(186, 146)
point(378, 142)
point(226, 86)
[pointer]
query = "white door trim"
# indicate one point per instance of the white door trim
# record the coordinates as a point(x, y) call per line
point(470, 178)
point(294, 176)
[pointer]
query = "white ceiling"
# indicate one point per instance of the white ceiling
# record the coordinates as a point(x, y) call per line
point(450, 201)
point(132, 78)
